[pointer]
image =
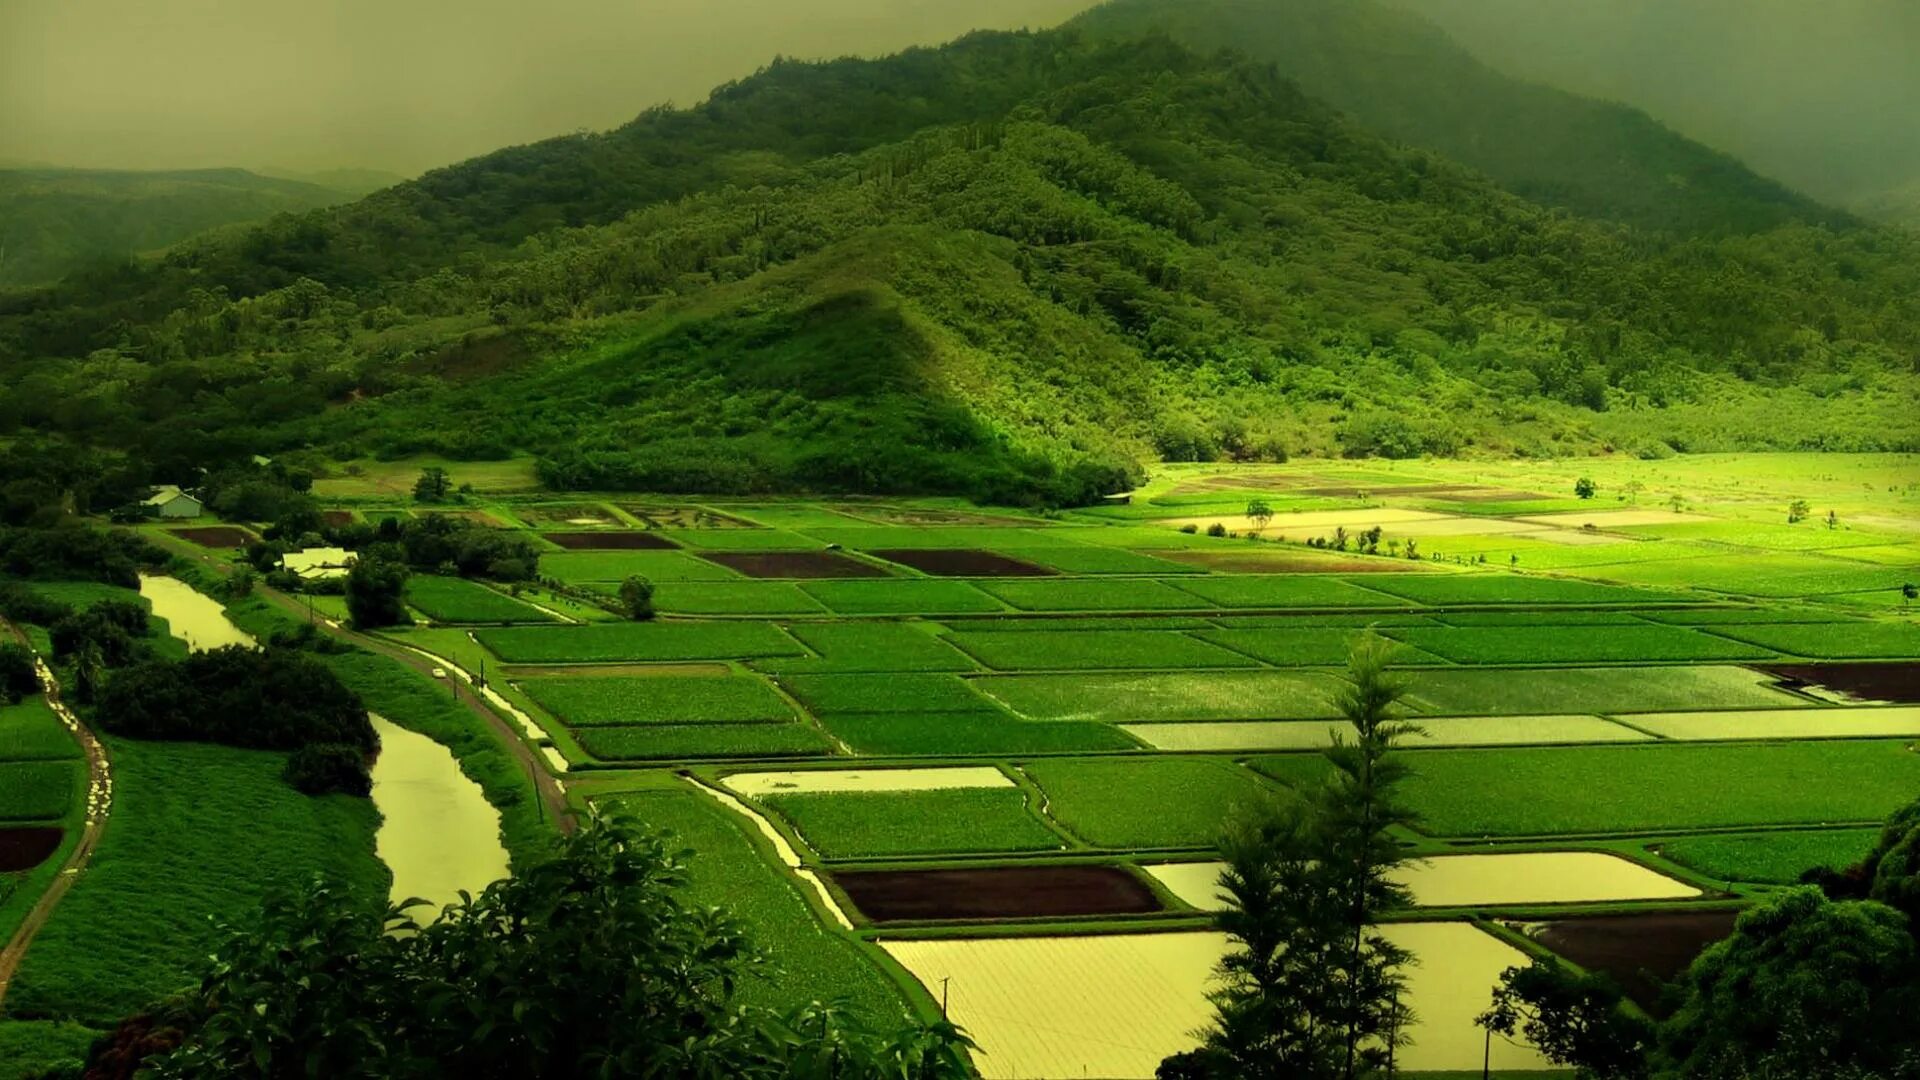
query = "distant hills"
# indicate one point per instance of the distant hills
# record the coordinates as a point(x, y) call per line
point(54, 221)
point(1013, 267)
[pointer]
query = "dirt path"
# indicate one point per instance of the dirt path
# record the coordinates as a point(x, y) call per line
point(552, 795)
point(99, 801)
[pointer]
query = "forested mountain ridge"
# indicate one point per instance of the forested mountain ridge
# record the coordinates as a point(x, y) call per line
point(1010, 267)
point(1402, 77)
point(56, 221)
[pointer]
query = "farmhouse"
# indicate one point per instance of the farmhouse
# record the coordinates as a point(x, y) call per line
point(168, 501)
point(318, 562)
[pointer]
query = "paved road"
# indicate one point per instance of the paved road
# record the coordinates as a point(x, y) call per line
point(99, 802)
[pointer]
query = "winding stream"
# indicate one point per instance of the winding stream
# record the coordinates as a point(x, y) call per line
point(195, 618)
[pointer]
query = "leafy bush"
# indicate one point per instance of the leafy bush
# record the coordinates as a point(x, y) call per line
point(21, 604)
point(327, 768)
point(18, 677)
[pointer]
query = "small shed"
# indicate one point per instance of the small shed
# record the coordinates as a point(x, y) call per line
point(168, 501)
point(319, 563)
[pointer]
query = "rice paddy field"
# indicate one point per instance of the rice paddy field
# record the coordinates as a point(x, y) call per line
point(1655, 704)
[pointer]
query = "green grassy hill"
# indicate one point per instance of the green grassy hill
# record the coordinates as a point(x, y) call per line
point(56, 221)
point(1011, 268)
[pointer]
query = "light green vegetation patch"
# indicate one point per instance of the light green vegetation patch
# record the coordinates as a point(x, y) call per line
point(1215, 695)
point(1546, 617)
point(1286, 590)
point(1301, 646)
point(1773, 858)
point(199, 833)
point(876, 646)
point(1086, 559)
point(1842, 641)
point(659, 699)
point(735, 598)
point(1738, 615)
point(1573, 644)
point(883, 538)
point(901, 596)
point(884, 693)
point(654, 565)
point(982, 731)
point(1907, 555)
point(81, 594)
point(1091, 649)
point(637, 641)
point(1502, 588)
point(877, 824)
point(1468, 692)
point(1778, 576)
point(666, 742)
point(1646, 786)
point(1811, 535)
point(29, 731)
point(39, 790)
point(1146, 802)
point(1347, 622)
point(809, 960)
point(36, 1047)
point(1082, 594)
point(457, 600)
point(1051, 623)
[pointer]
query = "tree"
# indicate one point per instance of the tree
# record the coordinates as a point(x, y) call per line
point(1576, 1019)
point(433, 485)
point(1633, 488)
point(1805, 986)
point(1259, 514)
point(1833, 520)
point(1797, 511)
point(325, 768)
point(375, 588)
point(1910, 592)
point(19, 677)
point(589, 964)
point(636, 598)
point(1676, 502)
point(1585, 488)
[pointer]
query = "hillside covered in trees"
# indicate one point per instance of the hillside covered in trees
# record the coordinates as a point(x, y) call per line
point(1011, 267)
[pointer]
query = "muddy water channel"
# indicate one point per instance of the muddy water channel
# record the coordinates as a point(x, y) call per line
point(438, 834)
point(194, 618)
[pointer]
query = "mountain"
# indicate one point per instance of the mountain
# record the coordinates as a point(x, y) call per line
point(349, 181)
point(1011, 267)
point(1402, 77)
point(55, 221)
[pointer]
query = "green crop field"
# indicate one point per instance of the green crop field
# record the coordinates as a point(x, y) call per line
point(636, 641)
point(1573, 644)
point(879, 824)
point(1052, 623)
point(658, 699)
point(614, 566)
point(1541, 617)
point(665, 742)
point(901, 596)
point(735, 598)
point(900, 537)
point(1466, 692)
point(1164, 802)
point(911, 692)
point(980, 731)
point(851, 646)
point(1089, 594)
point(1086, 559)
point(1299, 646)
point(39, 790)
point(1774, 858)
point(1493, 588)
point(457, 600)
point(1283, 591)
point(1845, 641)
point(742, 539)
point(1086, 649)
point(29, 731)
point(1735, 615)
point(1123, 697)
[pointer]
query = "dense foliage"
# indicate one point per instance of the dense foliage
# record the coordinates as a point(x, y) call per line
point(75, 552)
point(272, 699)
point(590, 964)
point(1010, 268)
point(18, 676)
point(326, 768)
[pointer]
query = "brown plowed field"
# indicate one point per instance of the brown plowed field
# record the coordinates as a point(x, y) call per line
point(1640, 952)
point(1870, 682)
point(1005, 892)
point(793, 564)
point(963, 562)
point(27, 847)
point(609, 541)
point(215, 536)
point(333, 519)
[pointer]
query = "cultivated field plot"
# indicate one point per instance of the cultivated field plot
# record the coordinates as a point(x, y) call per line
point(871, 646)
point(1574, 644)
point(683, 517)
point(1093, 594)
point(687, 742)
point(29, 731)
point(901, 597)
point(935, 821)
point(615, 566)
point(1248, 735)
point(608, 541)
point(215, 536)
point(24, 847)
point(666, 699)
point(1608, 690)
point(793, 564)
point(998, 892)
point(1840, 723)
point(1121, 697)
point(1295, 591)
point(963, 562)
point(636, 641)
point(1536, 877)
point(1080, 649)
point(1146, 802)
point(735, 598)
point(457, 600)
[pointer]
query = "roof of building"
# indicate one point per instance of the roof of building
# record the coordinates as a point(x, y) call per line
point(318, 561)
point(166, 493)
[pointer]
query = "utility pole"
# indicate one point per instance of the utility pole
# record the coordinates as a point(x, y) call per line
point(943, 995)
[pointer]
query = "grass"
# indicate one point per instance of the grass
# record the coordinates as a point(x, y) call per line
point(29, 731)
point(1840, 641)
point(659, 699)
point(636, 641)
point(726, 868)
point(881, 824)
point(39, 790)
point(1088, 649)
point(906, 693)
point(654, 565)
point(36, 1047)
point(1294, 647)
point(901, 596)
point(1118, 698)
point(457, 600)
point(736, 598)
point(1733, 616)
point(1547, 617)
point(1491, 692)
point(1159, 802)
point(1645, 787)
point(1285, 591)
point(1091, 594)
point(200, 834)
point(857, 646)
point(1772, 858)
point(1503, 588)
point(1773, 576)
point(981, 731)
point(1573, 644)
point(666, 742)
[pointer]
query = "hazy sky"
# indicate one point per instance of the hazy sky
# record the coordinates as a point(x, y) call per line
point(404, 85)
point(1823, 94)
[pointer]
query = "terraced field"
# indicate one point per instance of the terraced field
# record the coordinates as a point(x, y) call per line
point(1711, 698)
